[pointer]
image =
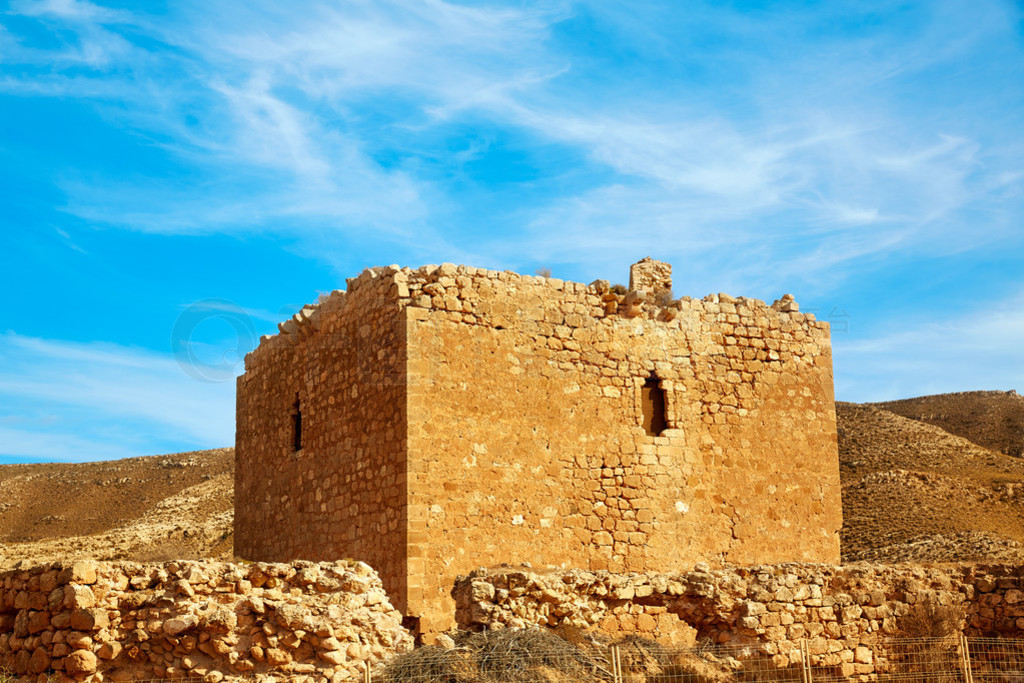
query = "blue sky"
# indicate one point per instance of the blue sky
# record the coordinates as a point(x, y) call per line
point(177, 177)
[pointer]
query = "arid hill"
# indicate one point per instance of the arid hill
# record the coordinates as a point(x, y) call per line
point(993, 419)
point(156, 507)
point(912, 491)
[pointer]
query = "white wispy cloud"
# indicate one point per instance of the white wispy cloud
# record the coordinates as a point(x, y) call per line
point(273, 93)
point(963, 350)
point(94, 45)
point(289, 107)
point(73, 10)
point(833, 171)
point(761, 151)
point(35, 442)
point(86, 401)
point(334, 50)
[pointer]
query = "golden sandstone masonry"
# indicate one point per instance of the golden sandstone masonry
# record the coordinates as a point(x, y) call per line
point(431, 421)
point(847, 617)
point(205, 621)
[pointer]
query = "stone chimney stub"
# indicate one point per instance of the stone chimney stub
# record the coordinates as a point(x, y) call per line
point(650, 276)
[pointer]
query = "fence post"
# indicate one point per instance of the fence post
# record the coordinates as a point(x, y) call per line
point(965, 658)
point(616, 665)
point(805, 662)
point(367, 678)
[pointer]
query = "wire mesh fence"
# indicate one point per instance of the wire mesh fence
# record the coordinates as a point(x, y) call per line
point(921, 659)
point(996, 659)
point(536, 656)
point(540, 656)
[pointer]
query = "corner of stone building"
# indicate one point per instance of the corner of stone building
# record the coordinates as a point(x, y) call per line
point(418, 618)
point(236, 523)
point(425, 305)
point(356, 336)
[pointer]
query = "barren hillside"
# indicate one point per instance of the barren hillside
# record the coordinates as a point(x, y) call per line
point(141, 508)
point(913, 492)
point(993, 419)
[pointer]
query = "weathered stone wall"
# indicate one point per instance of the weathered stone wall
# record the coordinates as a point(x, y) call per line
point(841, 611)
point(213, 621)
point(514, 430)
point(526, 444)
point(343, 494)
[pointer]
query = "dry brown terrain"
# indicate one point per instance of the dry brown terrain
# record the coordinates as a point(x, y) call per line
point(157, 507)
point(993, 419)
point(911, 492)
point(914, 492)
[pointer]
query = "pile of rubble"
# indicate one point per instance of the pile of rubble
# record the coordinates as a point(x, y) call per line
point(200, 620)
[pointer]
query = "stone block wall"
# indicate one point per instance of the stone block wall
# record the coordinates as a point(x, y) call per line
point(459, 416)
point(208, 621)
point(842, 612)
point(343, 493)
point(526, 438)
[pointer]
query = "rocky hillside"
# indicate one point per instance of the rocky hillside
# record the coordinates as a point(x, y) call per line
point(149, 508)
point(993, 419)
point(914, 492)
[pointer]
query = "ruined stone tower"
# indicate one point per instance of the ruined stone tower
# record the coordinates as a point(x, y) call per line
point(435, 420)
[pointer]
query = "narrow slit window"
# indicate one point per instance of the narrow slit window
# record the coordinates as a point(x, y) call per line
point(652, 399)
point(297, 425)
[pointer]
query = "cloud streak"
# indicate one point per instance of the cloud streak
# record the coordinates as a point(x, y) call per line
point(289, 107)
point(980, 349)
point(835, 150)
point(92, 401)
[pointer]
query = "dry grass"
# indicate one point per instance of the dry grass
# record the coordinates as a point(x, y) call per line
point(663, 296)
point(926, 645)
point(432, 664)
point(528, 655)
point(534, 655)
point(930, 619)
point(647, 660)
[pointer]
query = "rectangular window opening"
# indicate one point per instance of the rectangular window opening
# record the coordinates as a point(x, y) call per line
point(652, 400)
point(297, 425)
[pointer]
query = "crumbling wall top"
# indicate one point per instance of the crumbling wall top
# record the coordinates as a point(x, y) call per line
point(649, 275)
point(466, 291)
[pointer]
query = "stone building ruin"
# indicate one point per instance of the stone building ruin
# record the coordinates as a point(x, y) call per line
point(432, 421)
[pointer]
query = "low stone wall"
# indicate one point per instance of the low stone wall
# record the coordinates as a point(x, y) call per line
point(200, 620)
point(841, 612)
